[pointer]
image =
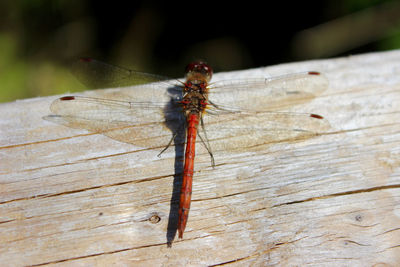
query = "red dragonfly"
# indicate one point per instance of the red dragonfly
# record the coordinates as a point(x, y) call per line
point(226, 108)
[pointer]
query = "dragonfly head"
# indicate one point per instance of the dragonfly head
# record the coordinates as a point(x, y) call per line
point(199, 70)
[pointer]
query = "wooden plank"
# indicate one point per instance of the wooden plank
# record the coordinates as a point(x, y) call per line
point(72, 197)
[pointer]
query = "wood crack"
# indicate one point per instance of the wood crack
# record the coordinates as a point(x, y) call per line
point(95, 255)
point(340, 194)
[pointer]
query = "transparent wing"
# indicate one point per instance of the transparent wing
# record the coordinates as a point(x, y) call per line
point(232, 131)
point(96, 74)
point(146, 124)
point(262, 94)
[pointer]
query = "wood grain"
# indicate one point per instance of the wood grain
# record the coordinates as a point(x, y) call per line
point(72, 197)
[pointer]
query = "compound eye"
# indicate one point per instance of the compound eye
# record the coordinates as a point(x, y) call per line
point(200, 67)
point(190, 67)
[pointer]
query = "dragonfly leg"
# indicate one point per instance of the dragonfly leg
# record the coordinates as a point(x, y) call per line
point(168, 145)
point(206, 143)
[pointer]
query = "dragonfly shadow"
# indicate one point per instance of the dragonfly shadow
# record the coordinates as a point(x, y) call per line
point(174, 203)
point(176, 123)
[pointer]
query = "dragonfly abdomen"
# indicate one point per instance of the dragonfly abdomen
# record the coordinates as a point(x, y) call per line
point(186, 189)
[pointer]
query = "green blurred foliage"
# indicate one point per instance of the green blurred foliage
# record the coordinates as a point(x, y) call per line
point(39, 38)
point(21, 78)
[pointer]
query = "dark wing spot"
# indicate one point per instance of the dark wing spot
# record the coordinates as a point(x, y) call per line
point(67, 98)
point(316, 116)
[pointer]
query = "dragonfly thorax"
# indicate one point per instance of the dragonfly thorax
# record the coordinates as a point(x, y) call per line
point(195, 89)
point(194, 102)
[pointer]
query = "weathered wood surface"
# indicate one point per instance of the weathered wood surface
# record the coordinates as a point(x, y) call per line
point(71, 197)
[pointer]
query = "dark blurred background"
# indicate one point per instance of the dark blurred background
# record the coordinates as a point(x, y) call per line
point(39, 39)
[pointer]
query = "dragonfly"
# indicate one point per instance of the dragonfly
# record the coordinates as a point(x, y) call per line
point(225, 115)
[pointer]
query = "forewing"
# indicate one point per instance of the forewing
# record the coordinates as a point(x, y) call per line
point(96, 74)
point(262, 94)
